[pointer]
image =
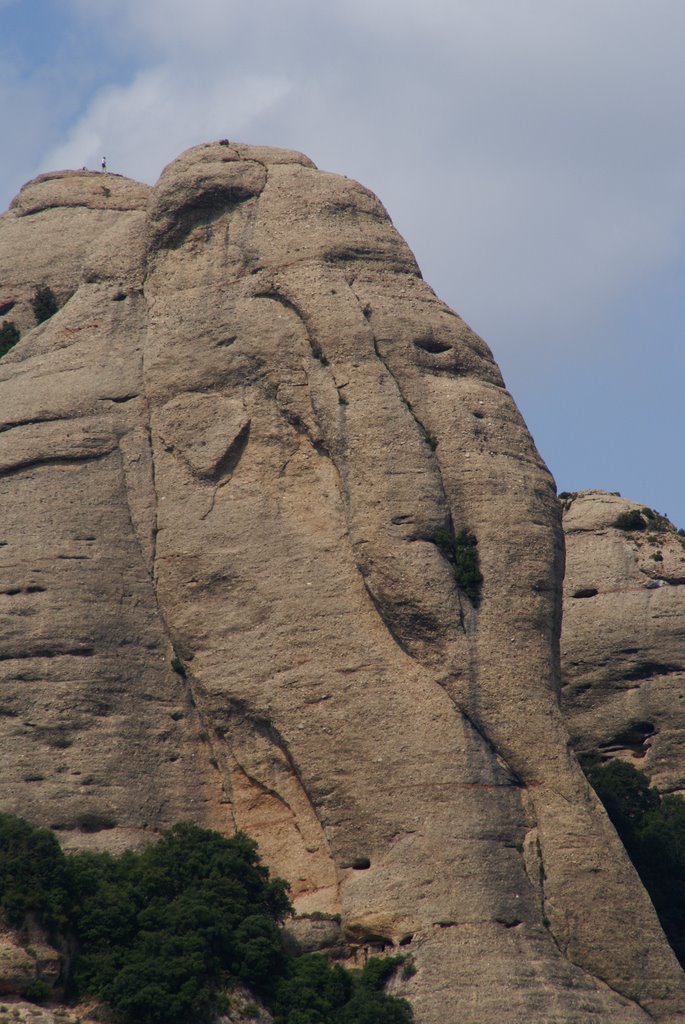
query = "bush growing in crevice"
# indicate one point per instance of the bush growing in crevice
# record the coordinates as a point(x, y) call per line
point(178, 666)
point(467, 565)
point(462, 551)
point(44, 304)
point(9, 336)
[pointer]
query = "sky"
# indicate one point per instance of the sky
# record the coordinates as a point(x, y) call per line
point(531, 152)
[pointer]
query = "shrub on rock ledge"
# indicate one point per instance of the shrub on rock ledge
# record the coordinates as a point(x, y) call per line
point(9, 336)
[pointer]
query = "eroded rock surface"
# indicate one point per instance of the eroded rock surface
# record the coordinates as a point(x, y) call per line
point(623, 641)
point(234, 467)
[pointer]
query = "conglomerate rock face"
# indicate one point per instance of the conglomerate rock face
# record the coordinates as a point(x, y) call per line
point(234, 466)
point(623, 639)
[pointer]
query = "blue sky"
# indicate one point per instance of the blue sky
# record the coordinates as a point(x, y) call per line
point(532, 154)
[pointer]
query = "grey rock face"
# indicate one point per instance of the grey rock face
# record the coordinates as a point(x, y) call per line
point(246, 445)
point(623, 642)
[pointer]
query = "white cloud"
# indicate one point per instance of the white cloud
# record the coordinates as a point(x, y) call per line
point(141, 126)
point(530, 151)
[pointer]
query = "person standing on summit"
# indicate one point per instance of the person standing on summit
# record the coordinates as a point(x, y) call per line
point(103, 165)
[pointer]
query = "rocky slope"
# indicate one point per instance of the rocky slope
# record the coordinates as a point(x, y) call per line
point(623, 639)
point(234, 468)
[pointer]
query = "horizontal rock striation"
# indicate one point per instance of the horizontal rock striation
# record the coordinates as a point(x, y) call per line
point(278, 553)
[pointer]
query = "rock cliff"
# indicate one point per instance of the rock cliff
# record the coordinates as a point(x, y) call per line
point(623, 641)
point(244, 474)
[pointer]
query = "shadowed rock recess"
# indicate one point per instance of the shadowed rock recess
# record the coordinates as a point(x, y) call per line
point(233, 469)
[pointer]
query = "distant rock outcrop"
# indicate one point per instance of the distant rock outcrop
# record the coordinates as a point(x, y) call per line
point(623, 639)
point(251, 474)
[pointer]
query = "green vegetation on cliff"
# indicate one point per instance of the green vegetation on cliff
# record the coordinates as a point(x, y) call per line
point(44, 304)
point(160, 934)
point(652, 829)
point(9, 336)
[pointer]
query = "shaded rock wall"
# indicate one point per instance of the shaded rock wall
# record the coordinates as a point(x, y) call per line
point(245, 445)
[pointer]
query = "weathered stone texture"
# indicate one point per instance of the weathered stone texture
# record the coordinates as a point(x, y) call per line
point(623, 642)
point(246, 440)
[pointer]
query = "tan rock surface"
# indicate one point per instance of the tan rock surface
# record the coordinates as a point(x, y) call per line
point(623, 640)
point(247, 438)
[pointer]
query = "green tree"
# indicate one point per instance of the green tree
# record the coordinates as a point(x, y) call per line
point(157, 934)
point(33, 874)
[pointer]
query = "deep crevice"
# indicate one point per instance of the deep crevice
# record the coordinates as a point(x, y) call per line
point(32, 588)
point(276, 296)
point(232, 456)
point(57, 460)
point(46, 652)
point(300, 427)
point(432, 444)
point(31, 422)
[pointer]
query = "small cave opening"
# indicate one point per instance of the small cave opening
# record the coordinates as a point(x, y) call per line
point(432, 345)
point(634, 738)
point(586, 592)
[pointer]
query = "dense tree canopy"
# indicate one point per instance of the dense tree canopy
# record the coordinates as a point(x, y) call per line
point(159, 934)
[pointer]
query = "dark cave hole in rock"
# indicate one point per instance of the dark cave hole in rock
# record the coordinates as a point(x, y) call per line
point(586, 592)
point(91, 822)
point(633, 738)
point(431, 345)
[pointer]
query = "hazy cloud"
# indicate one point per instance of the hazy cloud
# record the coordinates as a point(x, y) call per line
point(530, 152)
point(524, 148)
point(143, 125)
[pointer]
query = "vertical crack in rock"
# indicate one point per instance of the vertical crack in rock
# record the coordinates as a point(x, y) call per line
point(426, 436)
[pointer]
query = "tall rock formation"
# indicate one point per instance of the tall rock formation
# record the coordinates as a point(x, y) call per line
point(243, 470)
point(623, 640)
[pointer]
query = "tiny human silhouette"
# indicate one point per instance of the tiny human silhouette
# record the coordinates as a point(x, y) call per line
point(104, 163)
